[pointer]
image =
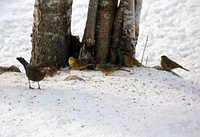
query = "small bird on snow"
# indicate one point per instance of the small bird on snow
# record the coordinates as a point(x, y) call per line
point(168, 65)
point(108, 68)
point(33, 72)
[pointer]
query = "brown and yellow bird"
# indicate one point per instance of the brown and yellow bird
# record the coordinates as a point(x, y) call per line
point(168, 65)
point(131, 61)
point(78, 64)
point(108, 68)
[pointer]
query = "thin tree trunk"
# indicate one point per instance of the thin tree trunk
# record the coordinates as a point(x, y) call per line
point(51, 32)
point(114, 34)
point(130, 29)
point(91, 20)
point(138, 8)
point(104, 26)
point(87, 49)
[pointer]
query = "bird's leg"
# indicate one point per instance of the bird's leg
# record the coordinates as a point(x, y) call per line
point(107, 73)
point(38, 85)
point(29, 84)
point(69, 68)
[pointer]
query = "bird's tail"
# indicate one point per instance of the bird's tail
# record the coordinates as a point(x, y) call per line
point(184, 68)
point(22, 61)
point(124, 69)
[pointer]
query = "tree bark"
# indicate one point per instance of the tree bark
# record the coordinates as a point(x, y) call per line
point(104, 26)
point(51, 32)
point(130, 28)
point(115, 30)
point(118, 21)
point(91, 20)
point(87, 50)
point(138, 8)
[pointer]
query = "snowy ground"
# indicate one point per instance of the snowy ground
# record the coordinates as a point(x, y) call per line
point(173, 28)
point(143, 103)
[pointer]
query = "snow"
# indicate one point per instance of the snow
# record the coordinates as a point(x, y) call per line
point(15, 30)
point(141, 103)
point(124, 104)
point(173, 30)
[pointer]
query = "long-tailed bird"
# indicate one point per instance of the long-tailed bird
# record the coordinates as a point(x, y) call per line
point(34, 73)
point(168, 65)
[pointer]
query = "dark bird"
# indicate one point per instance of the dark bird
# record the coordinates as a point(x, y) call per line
point(34, 73)
point(131, 61)
point(168, 65)
point(108, 68)
point(78, 64)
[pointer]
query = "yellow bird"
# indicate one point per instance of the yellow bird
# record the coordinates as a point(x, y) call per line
point(78, 64)
point(131, 61)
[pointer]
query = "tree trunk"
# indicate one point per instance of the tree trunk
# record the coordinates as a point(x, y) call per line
point(91, 20)
point(138, 8)
point(130, 29)
point(104, 26)
point(115, 36)
point(116, 31)
point(51, 32)
point(87, 50)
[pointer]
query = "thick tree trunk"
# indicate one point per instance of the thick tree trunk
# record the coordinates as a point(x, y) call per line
point(51, 32)
point(104, 26)
point(115, 36)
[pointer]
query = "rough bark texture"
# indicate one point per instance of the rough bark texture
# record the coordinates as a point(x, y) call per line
point(51, 32)
point(130, 28)
point(116, 31)
point(128, 37)
point(87, 50)
point(104, 26)
point(118, 21)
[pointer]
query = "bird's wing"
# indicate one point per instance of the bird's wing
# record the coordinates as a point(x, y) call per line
point(82, 62)
point(33, 68)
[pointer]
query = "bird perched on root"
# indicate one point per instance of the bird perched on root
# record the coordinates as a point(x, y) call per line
point(131, 61)
point(168, 65)
point(34, 73)
point(108, 69)
point(78, 64)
